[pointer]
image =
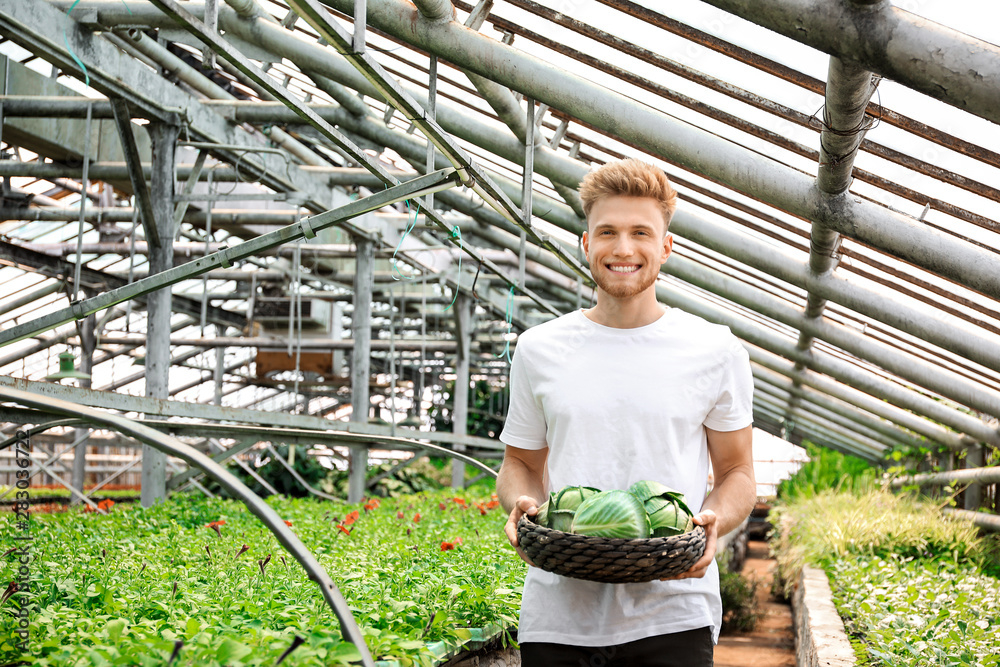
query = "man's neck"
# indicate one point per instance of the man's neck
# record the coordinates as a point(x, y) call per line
point(638, 311)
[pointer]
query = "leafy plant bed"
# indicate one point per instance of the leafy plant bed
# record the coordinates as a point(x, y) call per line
point(919, 612)
point(424, 575)
point(914, 588)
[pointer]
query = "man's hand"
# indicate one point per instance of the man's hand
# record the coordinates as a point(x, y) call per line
point(523, 505)
point(707, 520)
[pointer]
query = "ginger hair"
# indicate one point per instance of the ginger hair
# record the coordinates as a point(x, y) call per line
point(629, 178)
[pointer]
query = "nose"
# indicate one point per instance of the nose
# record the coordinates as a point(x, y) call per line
point(623, 246)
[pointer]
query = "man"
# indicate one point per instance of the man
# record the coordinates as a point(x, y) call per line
point(625, 391)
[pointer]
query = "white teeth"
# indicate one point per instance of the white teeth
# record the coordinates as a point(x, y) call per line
point(624, 269)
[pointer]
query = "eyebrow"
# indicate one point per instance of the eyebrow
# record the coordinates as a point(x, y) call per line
point(607, 225)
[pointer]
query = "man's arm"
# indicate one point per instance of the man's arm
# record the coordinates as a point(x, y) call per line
point(519, 486)
point(733, 494)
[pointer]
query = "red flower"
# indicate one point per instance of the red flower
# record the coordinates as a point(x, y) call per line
point(448, 546)
point(493, 503)
point(482, 509)
point(442, 506)
point(416, 518)
point(288, 523)
point(400, 515)
point(460, 501)
point(214, 525)
point(351, 518)
point(342, 529)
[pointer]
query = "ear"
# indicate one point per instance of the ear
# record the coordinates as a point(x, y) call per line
point(585, 239)
point(668, 246)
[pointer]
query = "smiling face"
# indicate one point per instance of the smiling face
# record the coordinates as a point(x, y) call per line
point(626, 243)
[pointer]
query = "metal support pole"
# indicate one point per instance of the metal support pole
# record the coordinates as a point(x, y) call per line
point(158, 303)
point(361, 362)
point(88, 341)
point(974, 492)
point(460, 408)
point(527, 184)
point(337, 334)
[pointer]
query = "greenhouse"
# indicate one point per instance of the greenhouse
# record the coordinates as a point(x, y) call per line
point(271, 271)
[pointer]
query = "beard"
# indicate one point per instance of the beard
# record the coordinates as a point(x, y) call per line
point(636, 284)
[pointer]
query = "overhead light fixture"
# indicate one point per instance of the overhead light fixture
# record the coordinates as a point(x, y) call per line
point(67, 369)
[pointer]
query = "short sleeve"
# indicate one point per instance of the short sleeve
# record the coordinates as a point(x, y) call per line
point(733, 407)
point(525, 424)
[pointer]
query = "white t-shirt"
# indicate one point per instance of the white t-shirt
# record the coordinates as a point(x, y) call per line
point(615, 406)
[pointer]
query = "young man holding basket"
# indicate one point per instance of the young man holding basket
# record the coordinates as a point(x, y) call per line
point(628, 390)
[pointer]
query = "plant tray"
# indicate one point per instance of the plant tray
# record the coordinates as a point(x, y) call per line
point(609, 560)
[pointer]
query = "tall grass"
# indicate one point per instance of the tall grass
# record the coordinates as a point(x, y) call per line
point(834, 524)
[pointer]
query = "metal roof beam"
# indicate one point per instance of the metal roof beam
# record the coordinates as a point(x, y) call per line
point(56, 267)
point(865, 402)
point(854, 421)
point(863, 443)
point(814, 433)
point(931, 58)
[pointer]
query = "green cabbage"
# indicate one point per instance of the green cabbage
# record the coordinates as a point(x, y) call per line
point(647, 509)
point(611, 514)
point(667, 518)
point(570, 497)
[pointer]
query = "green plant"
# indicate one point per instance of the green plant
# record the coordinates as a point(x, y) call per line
point(827, 469)
point(838, 524)
point(740, 606)
point(123, 589)
point(907, 611)
point(912, 585)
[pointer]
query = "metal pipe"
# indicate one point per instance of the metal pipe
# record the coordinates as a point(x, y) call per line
point(969, 476)
point(911, 367)
point(867, 402)
point(835, 407)
point(931, 58)
point(848, 89)
point(864, 443)
point(852, 424)
point(981, 519)
point(436, 10)
point(360, 363)
point(405, 345)
point(819, 434)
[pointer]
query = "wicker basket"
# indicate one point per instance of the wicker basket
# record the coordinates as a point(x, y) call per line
point(608, 560)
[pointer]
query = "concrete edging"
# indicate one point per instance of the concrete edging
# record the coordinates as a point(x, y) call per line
point(820, 637)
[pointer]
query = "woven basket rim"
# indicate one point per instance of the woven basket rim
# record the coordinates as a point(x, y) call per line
point(607, 559)
point(597, 539)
